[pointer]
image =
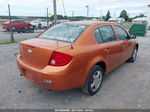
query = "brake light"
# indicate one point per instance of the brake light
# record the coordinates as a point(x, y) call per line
point(59, 59)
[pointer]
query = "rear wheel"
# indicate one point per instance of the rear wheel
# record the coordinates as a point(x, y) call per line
point(94, 81)
point(19, 31)
point(134, 55)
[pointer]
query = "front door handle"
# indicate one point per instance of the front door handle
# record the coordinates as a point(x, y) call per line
point(107, 50)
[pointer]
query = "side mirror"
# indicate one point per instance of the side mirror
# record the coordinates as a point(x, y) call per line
point(132, 37)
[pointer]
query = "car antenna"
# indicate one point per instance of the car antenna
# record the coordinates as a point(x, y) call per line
point(67, 23)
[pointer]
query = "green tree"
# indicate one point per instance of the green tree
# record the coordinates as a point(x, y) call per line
point(107, 16)
point(124, 15)
point(139, 16)
point(142, 15)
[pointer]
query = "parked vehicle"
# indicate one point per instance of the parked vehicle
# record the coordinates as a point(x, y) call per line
point(76, 55)
point(39, 24)
point(18, 26)
point(62, 21)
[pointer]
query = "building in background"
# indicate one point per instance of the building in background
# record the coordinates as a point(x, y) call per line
point(117, 20)
point(143, 20)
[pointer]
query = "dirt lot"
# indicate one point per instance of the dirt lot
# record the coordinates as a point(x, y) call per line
point(126, 87)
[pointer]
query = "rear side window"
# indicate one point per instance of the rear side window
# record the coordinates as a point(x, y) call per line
point(107, 33)
point(98, 36)
point(121, 32)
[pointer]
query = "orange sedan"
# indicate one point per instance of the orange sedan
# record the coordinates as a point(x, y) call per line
point(76, 55)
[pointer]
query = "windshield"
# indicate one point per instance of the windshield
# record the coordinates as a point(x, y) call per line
point(64, 32)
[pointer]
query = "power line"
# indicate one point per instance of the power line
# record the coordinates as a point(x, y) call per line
point(47, 18)
point(55, 11)
point(67, 22)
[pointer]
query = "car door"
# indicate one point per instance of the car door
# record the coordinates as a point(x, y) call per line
point(22, 24)
point(125, 43)
point(109, 47)
point(17, 24)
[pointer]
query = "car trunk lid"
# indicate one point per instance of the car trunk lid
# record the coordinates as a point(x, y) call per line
point(37, 52)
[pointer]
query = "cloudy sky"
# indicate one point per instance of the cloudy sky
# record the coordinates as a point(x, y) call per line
point(97, 7)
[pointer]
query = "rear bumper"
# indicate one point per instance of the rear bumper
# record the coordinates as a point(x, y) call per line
point(63, 78)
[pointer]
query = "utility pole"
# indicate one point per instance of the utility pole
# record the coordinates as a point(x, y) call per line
point(100, 15)
point(114, 14)
point(55, 12)
point(11, 33)
point(72, 13)
point(47, 19)
point(87, 10)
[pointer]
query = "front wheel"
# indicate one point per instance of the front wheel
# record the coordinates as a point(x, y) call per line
point(94, 81)
point(40, 26)
point(134, 56)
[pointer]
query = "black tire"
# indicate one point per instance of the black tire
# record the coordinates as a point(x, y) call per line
point(19, 31)
point(40, 26)
point(133, 57)
point(87, 88)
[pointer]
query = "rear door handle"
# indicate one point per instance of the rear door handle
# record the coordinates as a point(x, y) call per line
point(124, 46)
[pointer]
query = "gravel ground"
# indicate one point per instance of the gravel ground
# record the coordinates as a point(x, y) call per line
point(127, 87)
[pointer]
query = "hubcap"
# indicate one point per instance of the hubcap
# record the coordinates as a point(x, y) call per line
point(134, 54)
point(96, 81)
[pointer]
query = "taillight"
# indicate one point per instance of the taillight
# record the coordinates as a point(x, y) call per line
point(59, 59)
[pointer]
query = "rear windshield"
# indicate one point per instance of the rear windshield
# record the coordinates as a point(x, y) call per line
point(64, 32)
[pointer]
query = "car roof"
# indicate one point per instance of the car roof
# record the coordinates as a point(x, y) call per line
point(90, 22)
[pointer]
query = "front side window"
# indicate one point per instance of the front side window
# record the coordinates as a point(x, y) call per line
point(64, 32)
point(107, 33)
point(98, 36)
point(121, 33)
point(19, 21)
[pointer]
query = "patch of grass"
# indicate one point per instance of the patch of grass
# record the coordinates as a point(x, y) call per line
point(127, 25)
point(3, 20)
point(10, 42)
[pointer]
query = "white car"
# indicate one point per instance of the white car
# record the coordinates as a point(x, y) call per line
point(40, 23)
